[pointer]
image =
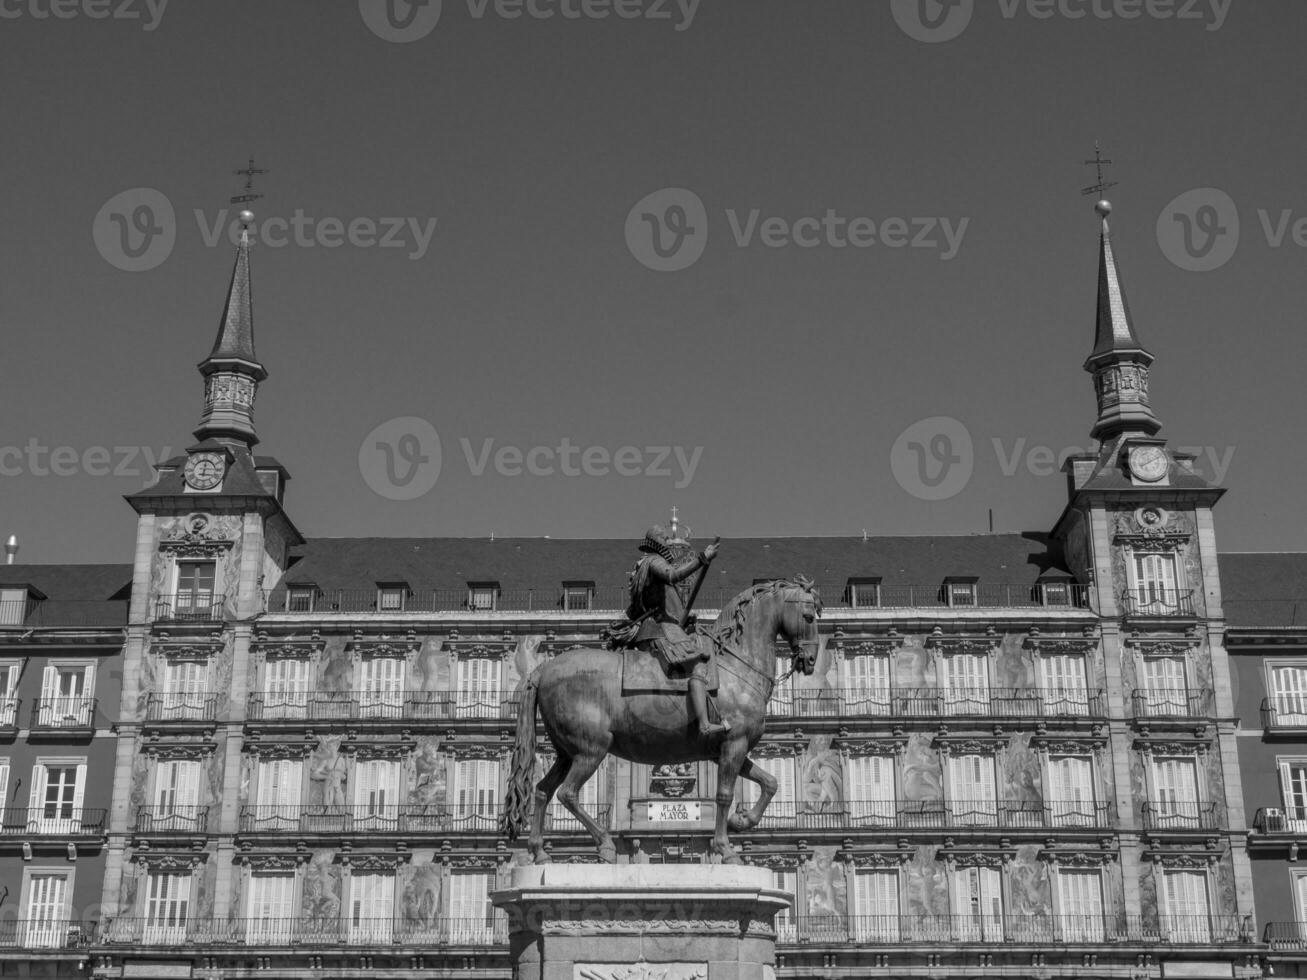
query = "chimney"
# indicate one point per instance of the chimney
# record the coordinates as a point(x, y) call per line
point(11, 549)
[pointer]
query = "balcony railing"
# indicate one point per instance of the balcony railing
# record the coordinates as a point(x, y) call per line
point(56, 821)
point(935, 702)
point(1179, 815)
point(46, 933)
point(559, 820)
point(1172, 703)
point(64, 613)
point(181, 707)
point(9, 712)
point(189, 607)
point(266, 706)
point(183, 819)
point(54, 714)
point(141, 930)
point(344, 818)
point(937, 814)
point(1286, 937)
point(879, 930)
point(1158, 602)
point(1285, 711)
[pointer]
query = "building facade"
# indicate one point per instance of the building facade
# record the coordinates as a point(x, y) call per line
point(1018, 753)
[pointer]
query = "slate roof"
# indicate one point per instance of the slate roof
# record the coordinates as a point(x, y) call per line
point(73, 595)
point(1264, 590)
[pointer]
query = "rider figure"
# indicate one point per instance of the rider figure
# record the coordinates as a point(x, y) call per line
point(660, 610)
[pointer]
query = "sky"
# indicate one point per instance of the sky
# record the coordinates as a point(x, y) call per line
point(553, 268)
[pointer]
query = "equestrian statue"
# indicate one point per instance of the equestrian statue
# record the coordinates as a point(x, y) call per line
point(648, 697)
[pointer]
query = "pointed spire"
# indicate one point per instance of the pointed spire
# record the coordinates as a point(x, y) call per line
point(1118, 362)
point(232, 372)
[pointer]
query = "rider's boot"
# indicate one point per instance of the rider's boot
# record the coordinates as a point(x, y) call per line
point(699, 706)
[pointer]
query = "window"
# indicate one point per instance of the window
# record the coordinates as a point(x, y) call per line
point(45, 913)
point(476, 793)
point(371, 907)
point(863, 593)
point(377, 793)
point(871, 793)
point(270, 910)
point(482, 595)
point(1293, 787)
point(472, 918)
point(67, 697)
point(978, 904)
point(1175, 788)
point(478, 693)
point(964, 678)
point(1300, 902)
point(1165, 693)
point(1154, 589)
point(1188, 914)
point(13, 606)
point(381, 691)
point(390, 598)
point(1080, 905)
point(1071, 791)
point(960, 592)
point(55, 804)
point(781, 808)
point(167, 905)
point(578, 596)
point(876, 906)
point(560, 818)
point(195, 582)
point(8, 696)
point(1063, 686)
point(299, 598)
point(972, 793)
point(787, 882)
point(867, 683)
point(782, 695)
point(1289, 694)
point(4, 790)
point(185, 688)
point(286, 682)
point(280, 783)
point(1055, 592)
point(176, 795)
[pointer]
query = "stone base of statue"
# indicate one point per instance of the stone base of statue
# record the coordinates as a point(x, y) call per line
point(641, 922)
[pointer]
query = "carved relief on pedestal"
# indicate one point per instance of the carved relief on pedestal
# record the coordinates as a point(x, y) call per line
point(640, 970)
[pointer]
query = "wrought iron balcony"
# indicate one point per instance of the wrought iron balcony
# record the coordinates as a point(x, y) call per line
point(1176, 702)
point(64, 613)
point(189, 607)
point(55, 932)
point(937, 814)
point(882, 930)
point(1179, 815)
point(345, 818)
point(181, 707)
point(300, 932)
point(1286, 937)
point(172, 819)
point(279, 706)
point(1158, 602)
point(935, 703)
point(52, 821)
point(9, 714)
point(63, 714)
point(1285, 712)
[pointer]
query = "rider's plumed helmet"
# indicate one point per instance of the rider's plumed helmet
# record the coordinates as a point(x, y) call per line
point(656, 540)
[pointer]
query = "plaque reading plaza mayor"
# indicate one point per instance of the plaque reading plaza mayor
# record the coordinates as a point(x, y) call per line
point(664, 812)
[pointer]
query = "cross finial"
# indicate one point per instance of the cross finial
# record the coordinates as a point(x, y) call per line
point(249, 174)
point(1098, 163)
point(674, 521)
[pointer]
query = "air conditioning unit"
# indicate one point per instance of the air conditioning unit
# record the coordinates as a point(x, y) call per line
point(1272, 820)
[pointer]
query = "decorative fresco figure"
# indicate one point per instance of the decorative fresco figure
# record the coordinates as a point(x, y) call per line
point(429, 786)
point(327, 767)
point(321, 893)
point(823, 777)
point(824, 882)
point(421, 899)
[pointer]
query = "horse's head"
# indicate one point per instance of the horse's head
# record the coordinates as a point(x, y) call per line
point(799, 623)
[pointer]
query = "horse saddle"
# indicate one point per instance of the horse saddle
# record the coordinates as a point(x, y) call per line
point(646, 672)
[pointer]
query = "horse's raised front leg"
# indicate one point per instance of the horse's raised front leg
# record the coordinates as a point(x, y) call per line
point(582, 768)
point(540, 806)
point(767, 789)
point(728, 767)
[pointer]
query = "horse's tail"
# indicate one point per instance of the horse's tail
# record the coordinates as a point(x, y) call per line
point(517, 803)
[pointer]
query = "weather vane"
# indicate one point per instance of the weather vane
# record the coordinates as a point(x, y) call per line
point(248, 173)
point(1098, 163)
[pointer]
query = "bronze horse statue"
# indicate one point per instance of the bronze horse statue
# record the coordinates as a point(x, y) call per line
point(587, 716)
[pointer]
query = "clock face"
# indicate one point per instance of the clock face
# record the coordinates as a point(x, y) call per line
point(204, 471)
point(1149, 463)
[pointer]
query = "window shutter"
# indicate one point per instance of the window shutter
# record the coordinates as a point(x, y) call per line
point(36, 801)
point(79, 793)
point(4, 788)
point(11, 680)
point(88, 682)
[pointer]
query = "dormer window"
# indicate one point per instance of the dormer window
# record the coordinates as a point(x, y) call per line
point(482, 595)
point(578, 596)
point(1055, 592)
point(13, 605)
point(300, 597)
point(391, 596)
point(960, 590)
point(862, 593)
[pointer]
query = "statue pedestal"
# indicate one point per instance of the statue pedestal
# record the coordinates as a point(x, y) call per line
point(641, 922)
